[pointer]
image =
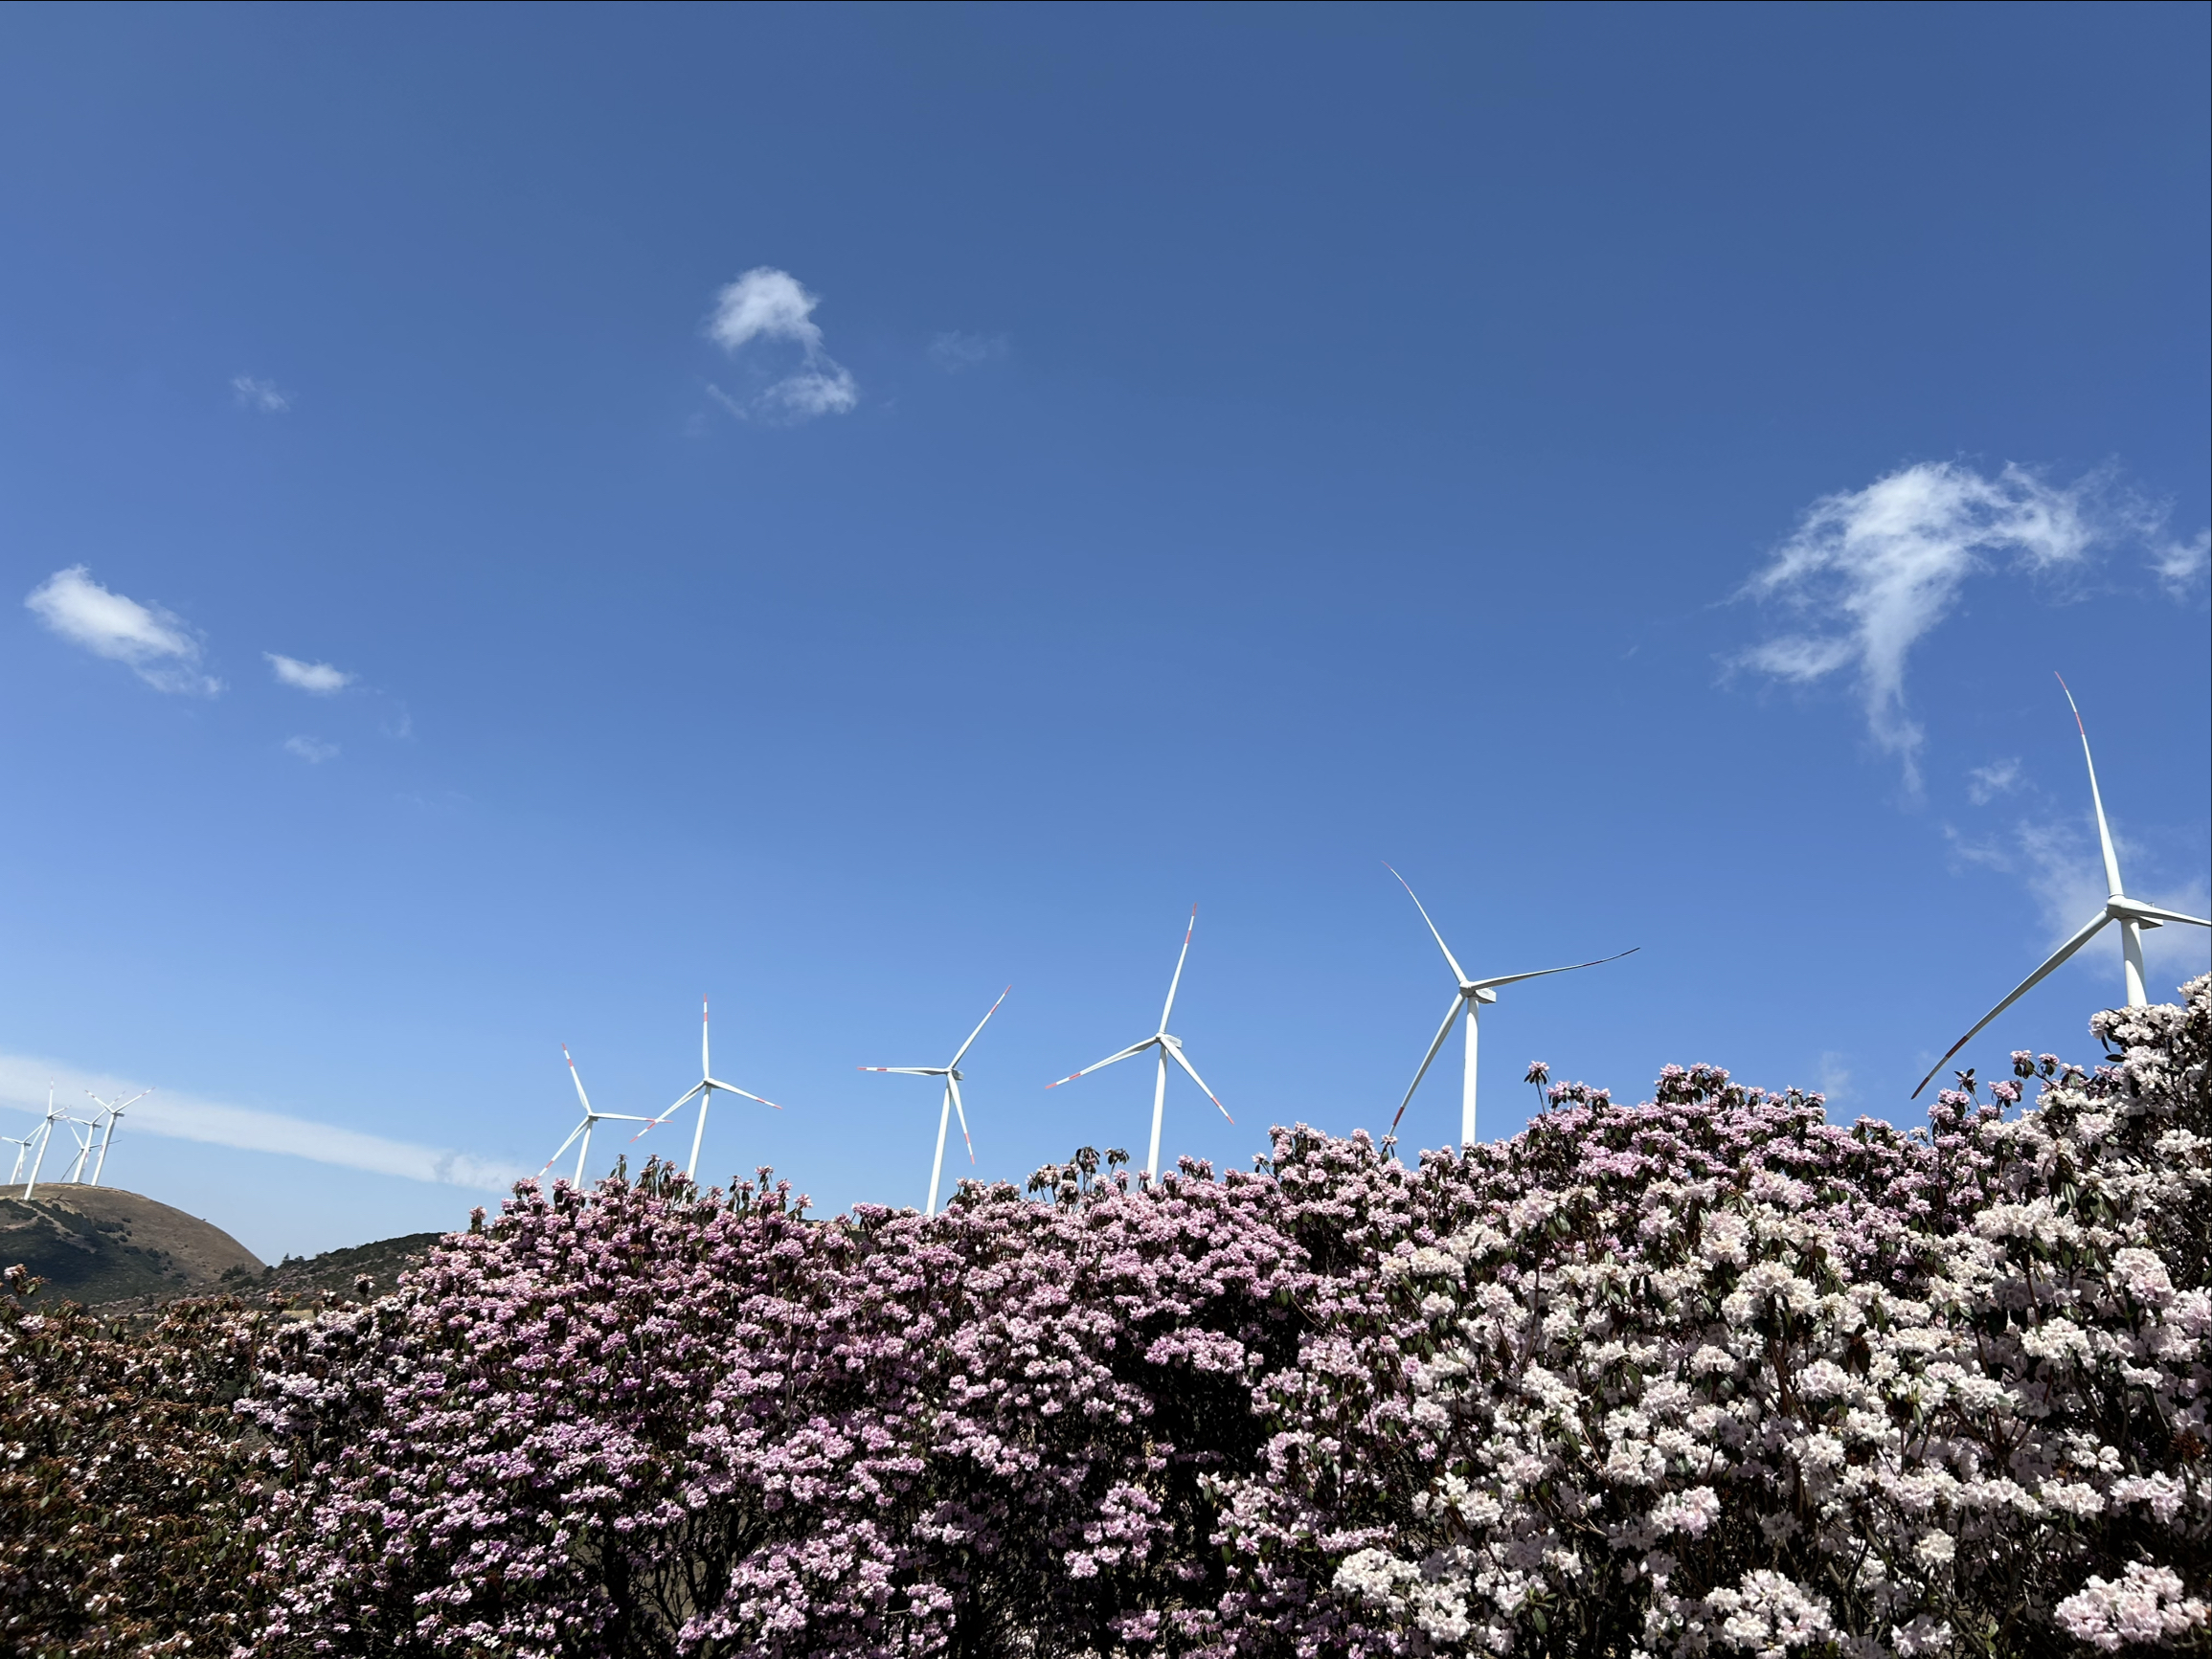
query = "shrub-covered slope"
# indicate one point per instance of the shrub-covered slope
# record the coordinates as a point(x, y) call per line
point(1706, 1374)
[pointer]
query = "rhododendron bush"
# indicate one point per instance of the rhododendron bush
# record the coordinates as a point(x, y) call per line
point(1706, 1374)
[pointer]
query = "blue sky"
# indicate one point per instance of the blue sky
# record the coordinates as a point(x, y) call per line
point(839, 510)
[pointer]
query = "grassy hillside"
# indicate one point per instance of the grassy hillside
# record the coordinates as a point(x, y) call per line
point(99, 1245)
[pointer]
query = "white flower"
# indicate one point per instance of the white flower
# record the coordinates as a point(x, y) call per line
point(2146, 1605)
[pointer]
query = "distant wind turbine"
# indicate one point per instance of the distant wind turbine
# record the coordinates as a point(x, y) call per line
point(2132, 915)
point(584, 1129)
point(1170, 1048)
point(22, 1146)
point(45, 1133)
point(111, 1113)
point(703, 1091)
point(951, 1073)
point(1471, 994)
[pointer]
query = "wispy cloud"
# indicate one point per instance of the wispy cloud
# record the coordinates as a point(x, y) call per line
point(311, 750)
point(160, 648)
point(2182, 566)
point(1874, 569)
point(766, 304)
point(954, 351)
point(319, 678)
point(260, 396)
point(1985, 783)
point(179, 1116)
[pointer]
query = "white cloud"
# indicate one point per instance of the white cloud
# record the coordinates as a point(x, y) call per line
point(319, 678)
point(259, 394)
point(159, 648)
point(1985, 783)
point(1878, 568)
point(311, 750)
point(178, 1116)
point(766, 304)
point(952, 352)
point(2183, 565)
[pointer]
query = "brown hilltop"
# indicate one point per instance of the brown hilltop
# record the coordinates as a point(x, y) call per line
point(103, 1244)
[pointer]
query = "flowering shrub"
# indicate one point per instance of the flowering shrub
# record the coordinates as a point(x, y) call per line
point(1709, 1375)
point(1703, 1376)
point(126, 1479)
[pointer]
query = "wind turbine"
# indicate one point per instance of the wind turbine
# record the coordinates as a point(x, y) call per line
point(951, 1073)
point(1471, 994)
point(1170, 1048)
point(110, 1113)
point(704, 1089)
point(45, 1133)
point(83, 1140)
point(22, 1145)
point(584, 1129)
point(2132, 915)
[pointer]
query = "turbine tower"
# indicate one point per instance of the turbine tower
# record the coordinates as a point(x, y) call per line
point(704, 1091)
point(110, 1114)
point(951, 1073)
point(2132, 915)
point(1470, 996)
point(1170, 1048)
point(584, 1129)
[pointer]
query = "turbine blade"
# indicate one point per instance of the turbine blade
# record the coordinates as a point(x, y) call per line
point(963, 1113)
point(1429, 1059)
point(1110, 1060)
point(682, 1101)
point(706, 1066)
point(1571, 967)
point(978, 1030)
point(576, 1077)
point(1173, 984)
point(2097, 801)
point(564, 1146)
point(2153, 913)
point(732, 1089)
point(902, 1071)
point(2018, 992)
point(1457, 973)
point(1177, 1052)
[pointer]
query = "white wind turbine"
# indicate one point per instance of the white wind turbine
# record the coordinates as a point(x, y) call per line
point(2132, 915)
point(22, 1145)
point(45, 1133)
point(110, 1113)
point(584, 1129)
point(82, 1131)
point(1470, 996)
point(1170, 1048)
point(704, 1091)
point(951, 1073)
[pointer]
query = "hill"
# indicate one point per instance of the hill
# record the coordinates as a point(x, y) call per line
point(338, 1271)
point(95, 1244)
